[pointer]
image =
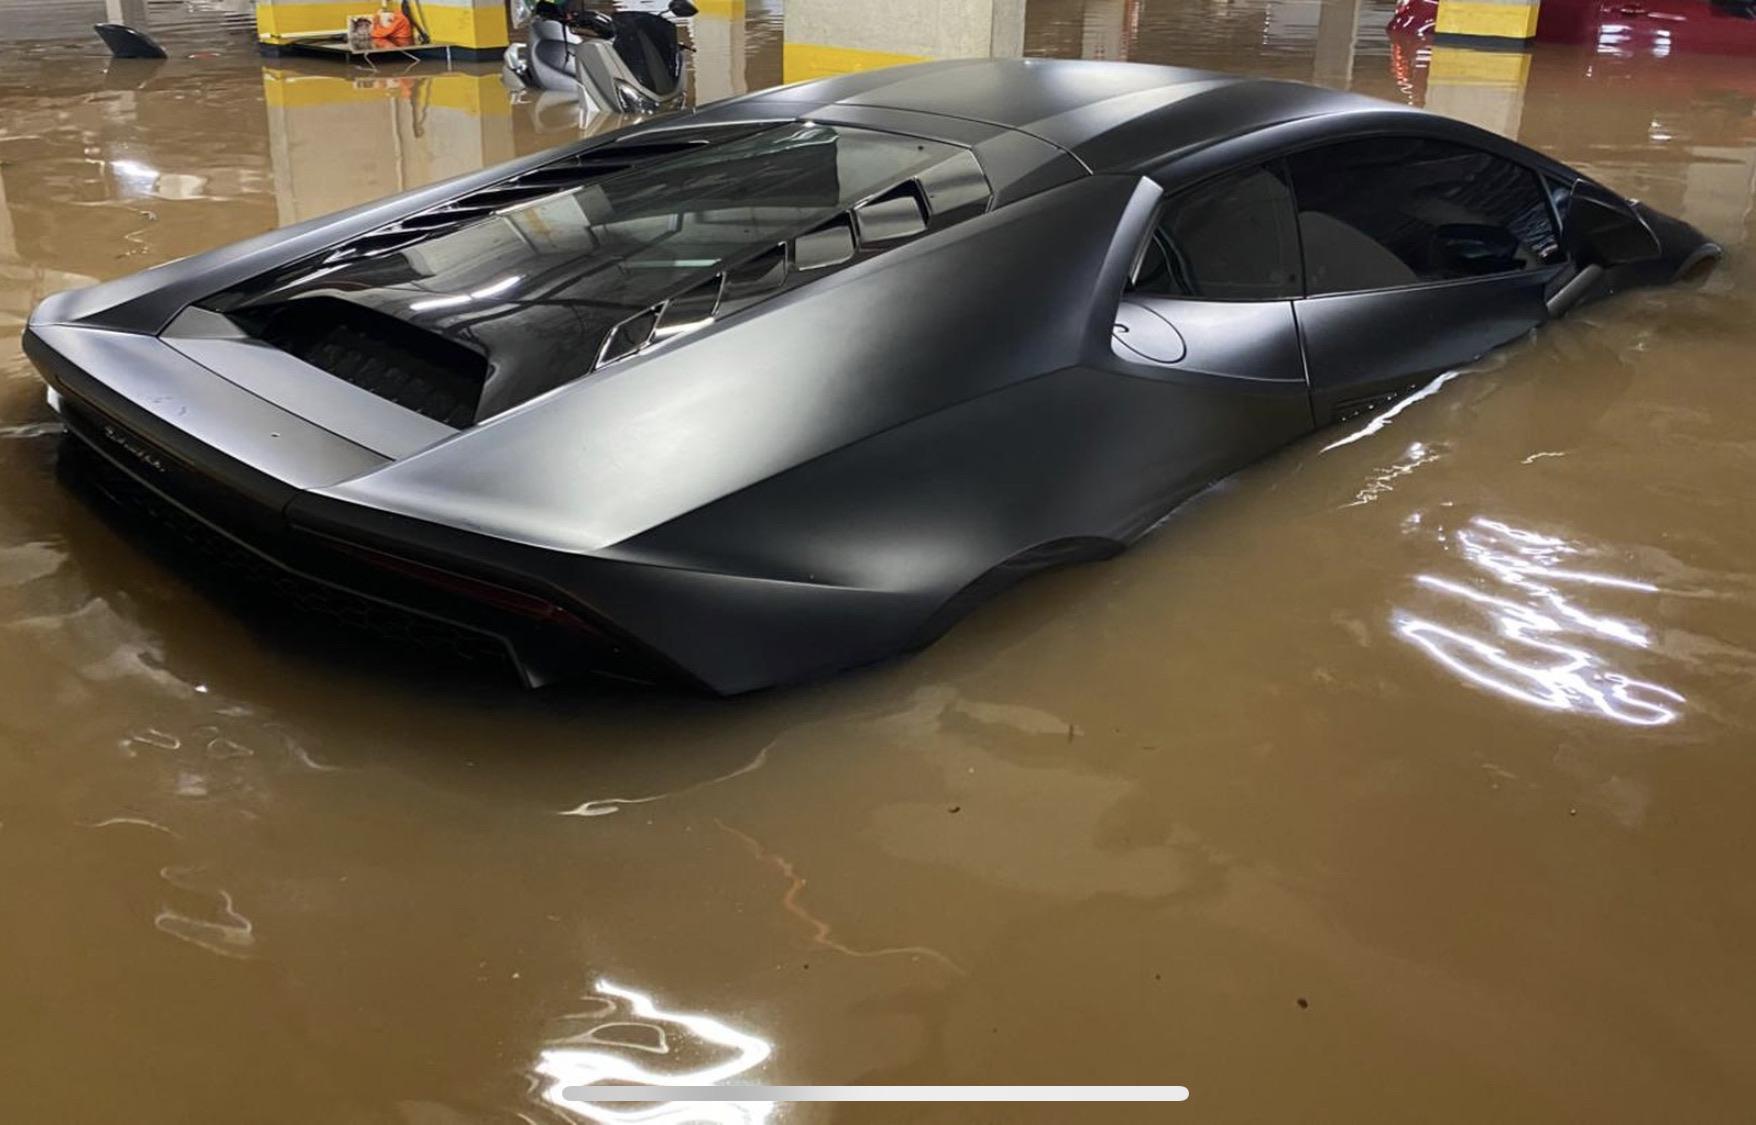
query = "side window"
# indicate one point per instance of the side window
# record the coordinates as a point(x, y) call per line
point(1229, 239)
point(1388, 212)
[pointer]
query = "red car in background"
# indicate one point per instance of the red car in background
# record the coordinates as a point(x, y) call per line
point(1624, 27)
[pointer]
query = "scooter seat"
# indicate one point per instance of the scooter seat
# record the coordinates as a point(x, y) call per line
point(549, 56)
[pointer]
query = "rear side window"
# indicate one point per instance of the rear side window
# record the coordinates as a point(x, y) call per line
point(1230, 239)
point(1389, 212)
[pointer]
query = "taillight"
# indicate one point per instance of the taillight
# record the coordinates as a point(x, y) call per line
point(502, 598)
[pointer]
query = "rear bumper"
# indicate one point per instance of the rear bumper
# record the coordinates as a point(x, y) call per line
point(238, 520)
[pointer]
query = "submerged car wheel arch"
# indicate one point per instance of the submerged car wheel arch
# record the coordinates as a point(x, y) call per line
point(1049, 555)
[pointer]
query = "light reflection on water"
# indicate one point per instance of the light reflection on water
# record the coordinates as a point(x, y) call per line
point(1382, 482)
point(1385, 417)
point(1540, 646)
point(620, 1023)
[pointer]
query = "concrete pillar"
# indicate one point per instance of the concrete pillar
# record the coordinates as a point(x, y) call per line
point(1492, 23)
point(474, 28)
point(717, 32)
point(1006, 29)
point(130, 13)
point(8, 236)
point(825, 37)
point(1338, 25)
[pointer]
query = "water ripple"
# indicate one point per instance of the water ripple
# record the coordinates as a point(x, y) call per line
point(228, 934)
point(604, 806)
point(1383, 481)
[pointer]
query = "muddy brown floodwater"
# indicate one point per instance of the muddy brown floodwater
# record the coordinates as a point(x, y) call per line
point(1408, 775)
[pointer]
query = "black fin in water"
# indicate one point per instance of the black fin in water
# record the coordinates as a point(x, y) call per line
point(126, 43)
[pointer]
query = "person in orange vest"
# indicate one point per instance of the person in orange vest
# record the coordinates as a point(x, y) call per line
point(390, 25)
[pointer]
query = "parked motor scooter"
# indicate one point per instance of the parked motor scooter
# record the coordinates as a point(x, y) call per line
point(618, 62)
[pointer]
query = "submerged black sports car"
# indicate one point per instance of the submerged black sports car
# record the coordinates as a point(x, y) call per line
point(789, 383)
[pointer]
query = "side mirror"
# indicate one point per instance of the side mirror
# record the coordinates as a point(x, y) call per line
point(1603, 229)
point(682, 9)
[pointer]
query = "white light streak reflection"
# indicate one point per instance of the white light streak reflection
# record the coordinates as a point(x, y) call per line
point(604, 806)
point(1379, 421)
point(665, 332)
point(486, 291)
point(1542, 647)
point(703, 1051)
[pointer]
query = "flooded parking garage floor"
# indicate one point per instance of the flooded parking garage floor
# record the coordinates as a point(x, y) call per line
point(1406, 775)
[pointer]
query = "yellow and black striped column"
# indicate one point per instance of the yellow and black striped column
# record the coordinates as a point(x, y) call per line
point(472, 28)
point(1487, 23)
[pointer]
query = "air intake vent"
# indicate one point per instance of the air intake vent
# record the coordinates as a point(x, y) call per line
point(938, 196)
point(1354, 407)
point(412, 368)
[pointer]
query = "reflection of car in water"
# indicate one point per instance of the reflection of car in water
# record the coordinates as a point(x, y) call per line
point(620, 62)
point(792, 382)
point(1656, 28)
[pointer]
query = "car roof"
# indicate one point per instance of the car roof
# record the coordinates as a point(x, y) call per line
point(1112, 116)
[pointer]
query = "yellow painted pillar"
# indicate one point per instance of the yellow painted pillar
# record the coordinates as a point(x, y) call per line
point(1487, 23)
point(474, 29)
point(337, 141)
point(1484, 88)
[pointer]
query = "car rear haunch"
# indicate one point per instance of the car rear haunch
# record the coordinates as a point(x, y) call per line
point(260, 588)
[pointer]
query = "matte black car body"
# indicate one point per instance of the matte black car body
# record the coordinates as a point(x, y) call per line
point(808, 459)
